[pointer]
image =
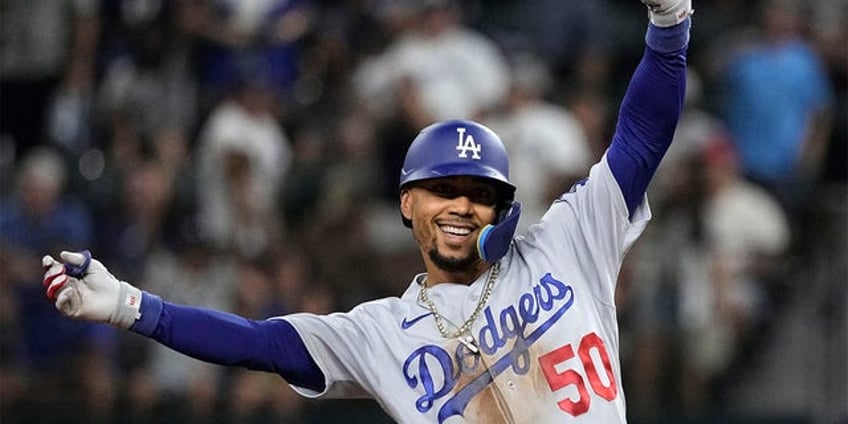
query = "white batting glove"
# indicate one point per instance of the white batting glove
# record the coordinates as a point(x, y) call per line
point(92, 295)
point(666, 13)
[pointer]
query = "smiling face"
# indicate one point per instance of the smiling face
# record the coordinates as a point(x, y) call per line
point(447, 215)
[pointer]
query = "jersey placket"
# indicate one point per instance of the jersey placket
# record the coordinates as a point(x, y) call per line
point(499, 385)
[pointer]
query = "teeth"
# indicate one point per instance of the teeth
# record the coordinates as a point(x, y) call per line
point(458, 231)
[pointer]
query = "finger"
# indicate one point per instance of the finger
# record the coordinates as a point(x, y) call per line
point(57, 285)
point(47, 261)
point(76, 262)
point(66, 300)
point(75, 258)
point(53, 271)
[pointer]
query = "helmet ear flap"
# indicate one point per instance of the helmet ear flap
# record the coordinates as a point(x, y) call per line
point(494, 240)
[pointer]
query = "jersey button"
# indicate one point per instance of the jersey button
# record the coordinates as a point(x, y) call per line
point(510, 384)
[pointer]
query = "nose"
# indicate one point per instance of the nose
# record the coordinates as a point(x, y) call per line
point(462, 206)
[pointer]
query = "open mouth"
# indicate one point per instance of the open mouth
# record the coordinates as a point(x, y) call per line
point(459, 231)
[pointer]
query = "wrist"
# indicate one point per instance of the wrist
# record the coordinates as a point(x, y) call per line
point(149, 312)
point(668, 39)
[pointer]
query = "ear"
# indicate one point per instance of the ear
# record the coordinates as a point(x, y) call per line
point(406, 204)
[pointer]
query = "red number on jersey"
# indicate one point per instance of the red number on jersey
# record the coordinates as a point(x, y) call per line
point(557, 380)
point(589, 343)
point(571, 377)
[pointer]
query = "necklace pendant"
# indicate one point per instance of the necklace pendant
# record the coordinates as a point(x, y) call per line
point(470, 344)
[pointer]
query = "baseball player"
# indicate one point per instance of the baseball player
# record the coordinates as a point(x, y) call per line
point(499, 328)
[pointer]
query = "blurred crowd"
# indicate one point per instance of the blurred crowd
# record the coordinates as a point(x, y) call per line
point(244, 156)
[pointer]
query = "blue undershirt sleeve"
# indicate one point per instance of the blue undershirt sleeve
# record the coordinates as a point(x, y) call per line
point(649, 111)
point(222, 338)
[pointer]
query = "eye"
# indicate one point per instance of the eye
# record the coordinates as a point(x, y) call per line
point(484, 195)
point(443, 190)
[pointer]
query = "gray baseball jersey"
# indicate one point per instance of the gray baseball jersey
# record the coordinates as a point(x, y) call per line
point(548, 337)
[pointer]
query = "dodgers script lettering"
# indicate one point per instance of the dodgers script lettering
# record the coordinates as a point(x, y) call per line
point(435, 371)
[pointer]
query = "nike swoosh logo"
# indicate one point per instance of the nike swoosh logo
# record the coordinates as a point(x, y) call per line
point(405, 172)
point(406, 323)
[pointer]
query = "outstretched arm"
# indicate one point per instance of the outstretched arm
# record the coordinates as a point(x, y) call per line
point(84, 289)
point(223, 338)
point(652, 105)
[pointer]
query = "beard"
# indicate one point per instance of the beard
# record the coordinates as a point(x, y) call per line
point(453, 264)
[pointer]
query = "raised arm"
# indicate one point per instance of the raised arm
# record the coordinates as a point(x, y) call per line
point(84, 289)
point(653, 102)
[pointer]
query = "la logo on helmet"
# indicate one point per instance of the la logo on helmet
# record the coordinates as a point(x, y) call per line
point(466, 143)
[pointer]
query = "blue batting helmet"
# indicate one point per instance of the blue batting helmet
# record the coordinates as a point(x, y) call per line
point(457, 148)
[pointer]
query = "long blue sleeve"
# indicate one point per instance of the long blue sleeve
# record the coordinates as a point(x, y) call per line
point(649, 111)
point(222, 338)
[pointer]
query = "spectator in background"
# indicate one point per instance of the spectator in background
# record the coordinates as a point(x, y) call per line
point(547, 145)
point(147, 76)
point(777, 104)
point(344, 208)
point(225, 31)
point(145, 113)
point(164, 384)
point(45, 357)
point(746, 234)
point(145, 108)
point(434, 67)
point(572, 37)
point(243, 156)
point(351, 178)
point(305, 180)
point(455, 71)
point(48, 49)
point(138, 218)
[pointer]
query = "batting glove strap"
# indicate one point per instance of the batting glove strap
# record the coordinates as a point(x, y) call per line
point(150, 311)
point(666, 13)
point(128, 307)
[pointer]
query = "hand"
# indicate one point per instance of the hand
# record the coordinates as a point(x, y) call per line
point(666, 13)
point(91, 293)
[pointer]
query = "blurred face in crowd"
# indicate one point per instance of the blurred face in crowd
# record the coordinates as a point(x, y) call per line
point(435, 19)
point(447, 215)
point(39, 195)
point(40, 182)
point(257, 97)
point(779, 19)
point(146, 190)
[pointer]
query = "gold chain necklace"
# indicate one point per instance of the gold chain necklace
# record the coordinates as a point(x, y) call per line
point(468, 341)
